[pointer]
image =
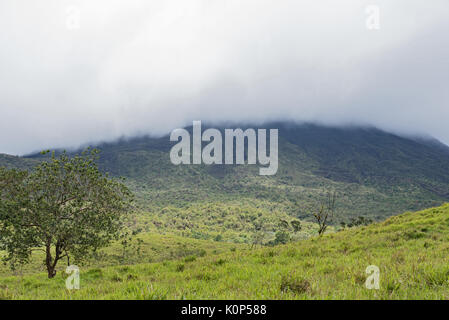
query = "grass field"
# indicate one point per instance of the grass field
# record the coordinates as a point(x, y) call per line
point(152, 248)
point(410, 250)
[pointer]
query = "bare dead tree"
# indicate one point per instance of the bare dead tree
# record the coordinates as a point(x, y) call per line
point(324, 214)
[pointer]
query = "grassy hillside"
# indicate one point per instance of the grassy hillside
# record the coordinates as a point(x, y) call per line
point(410, 249)
point(140, 248)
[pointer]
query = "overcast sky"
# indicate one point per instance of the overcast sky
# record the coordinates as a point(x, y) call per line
point(76, 71)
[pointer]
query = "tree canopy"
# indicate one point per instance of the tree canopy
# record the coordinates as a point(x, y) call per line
point(65, 207)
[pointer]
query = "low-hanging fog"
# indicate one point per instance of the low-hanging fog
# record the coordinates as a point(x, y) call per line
point(76, 71)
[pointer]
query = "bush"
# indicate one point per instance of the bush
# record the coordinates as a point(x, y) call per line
point(220, 262)
point(282, 237)
point(294, 284)
point(180, 267)
point(189, 259)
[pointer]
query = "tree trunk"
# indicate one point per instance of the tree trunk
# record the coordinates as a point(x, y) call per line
point(51, 272)
point(48, 261)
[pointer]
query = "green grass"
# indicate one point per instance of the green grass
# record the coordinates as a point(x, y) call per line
point(154, 248)
point(411, 251)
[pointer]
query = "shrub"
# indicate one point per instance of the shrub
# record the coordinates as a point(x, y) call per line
point(189, 259)
point(282, 237)
point(294, 284)
point(220, 262)
point(180, 267)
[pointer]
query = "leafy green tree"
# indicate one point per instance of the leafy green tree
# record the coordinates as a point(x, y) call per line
point(282, 237)
point(283, 224)
point(64, 207)
point(296, 225)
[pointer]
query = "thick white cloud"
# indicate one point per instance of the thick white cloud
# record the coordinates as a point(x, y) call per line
point(140, 66)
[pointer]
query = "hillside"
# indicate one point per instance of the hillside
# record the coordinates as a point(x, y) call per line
point(140, 248)
point(410, 250)
point(22, 163)
point(376, 173)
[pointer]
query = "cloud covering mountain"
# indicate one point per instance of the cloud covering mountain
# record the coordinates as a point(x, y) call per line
point(78, 71)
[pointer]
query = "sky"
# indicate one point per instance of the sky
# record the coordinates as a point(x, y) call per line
point(79, 71)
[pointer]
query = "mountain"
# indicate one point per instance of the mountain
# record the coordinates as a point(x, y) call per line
point(17, 162)
point(375, 173)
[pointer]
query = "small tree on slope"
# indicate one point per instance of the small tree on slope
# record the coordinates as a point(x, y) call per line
point(325, 212)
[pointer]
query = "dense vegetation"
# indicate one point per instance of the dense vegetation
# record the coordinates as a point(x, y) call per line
point(410, 250)
point(376, 174)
